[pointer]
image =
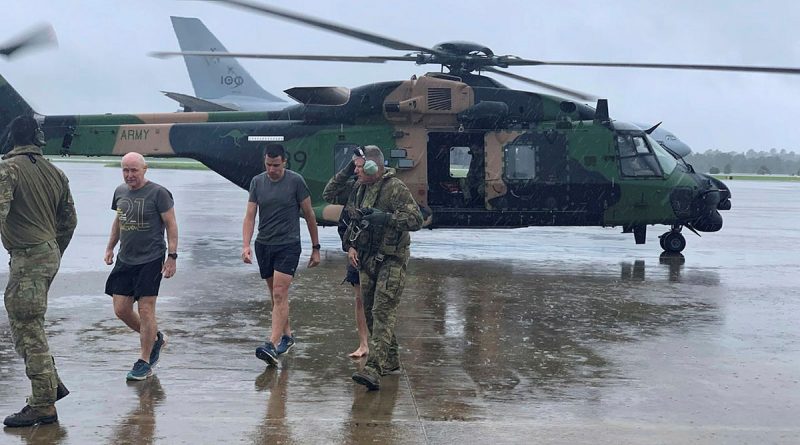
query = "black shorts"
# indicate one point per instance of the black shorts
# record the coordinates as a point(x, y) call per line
point(135, 280)
point(352, 275)
point(283, 258)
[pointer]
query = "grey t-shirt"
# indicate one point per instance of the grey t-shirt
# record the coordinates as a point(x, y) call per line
point(278, 207)
point(141, 229)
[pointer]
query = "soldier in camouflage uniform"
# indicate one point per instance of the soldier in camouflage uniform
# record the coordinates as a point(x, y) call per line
point(37, 219)
point(382, 212)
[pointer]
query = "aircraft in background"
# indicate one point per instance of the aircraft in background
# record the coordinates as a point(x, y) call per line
point(667, 139)
point(220, 83)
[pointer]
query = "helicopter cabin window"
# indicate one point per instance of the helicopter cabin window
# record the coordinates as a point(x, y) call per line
point(460, 158)
point(520, 162)
point(342, 153)
point(635, 157)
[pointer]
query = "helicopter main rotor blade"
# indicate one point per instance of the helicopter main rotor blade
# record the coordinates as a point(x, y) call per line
point(676, 66)
point(572, 93)
point(41, 35)
point(360, 59)
point(351, 32)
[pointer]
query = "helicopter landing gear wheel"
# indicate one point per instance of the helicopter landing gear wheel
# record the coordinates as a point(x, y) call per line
point(672, 242)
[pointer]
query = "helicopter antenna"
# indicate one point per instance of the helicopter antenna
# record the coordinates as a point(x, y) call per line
point(653, 128)
point(601, 111)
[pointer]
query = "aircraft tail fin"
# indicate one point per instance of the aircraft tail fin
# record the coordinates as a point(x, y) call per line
point(214, 77)
point(11, 104)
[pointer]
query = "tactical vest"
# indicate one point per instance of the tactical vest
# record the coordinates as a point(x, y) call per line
point(372, 240)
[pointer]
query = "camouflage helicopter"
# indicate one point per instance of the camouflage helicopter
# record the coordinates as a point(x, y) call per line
point(538, 159)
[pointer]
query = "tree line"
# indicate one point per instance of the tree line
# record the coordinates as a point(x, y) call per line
point(771, 162)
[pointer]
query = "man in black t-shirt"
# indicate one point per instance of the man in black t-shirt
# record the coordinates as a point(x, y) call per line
point(144, 210)
point(278, 195)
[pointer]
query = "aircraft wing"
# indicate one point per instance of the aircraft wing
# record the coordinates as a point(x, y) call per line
point(191, 103)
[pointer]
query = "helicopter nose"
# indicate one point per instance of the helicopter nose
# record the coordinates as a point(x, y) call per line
point(709, 222)
point(724, 193)
point(711, 199)
point(716, 197)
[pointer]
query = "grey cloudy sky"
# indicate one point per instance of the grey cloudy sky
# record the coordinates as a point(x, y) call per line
point(101, 65)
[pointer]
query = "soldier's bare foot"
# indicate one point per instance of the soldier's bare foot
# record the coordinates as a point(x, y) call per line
point(360, 352)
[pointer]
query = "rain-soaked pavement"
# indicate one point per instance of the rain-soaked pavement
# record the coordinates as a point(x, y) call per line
point(538, 335)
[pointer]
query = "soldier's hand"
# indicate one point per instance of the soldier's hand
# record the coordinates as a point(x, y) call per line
point(350, 168)
point(247, 255)
point(352, 256)
point(375, 216)
point(109, 256)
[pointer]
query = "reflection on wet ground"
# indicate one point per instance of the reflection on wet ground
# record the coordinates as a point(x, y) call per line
point(546, 335)
point(139, 425)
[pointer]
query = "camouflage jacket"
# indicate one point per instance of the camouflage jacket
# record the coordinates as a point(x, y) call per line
point(392, 197)
point(35, 201)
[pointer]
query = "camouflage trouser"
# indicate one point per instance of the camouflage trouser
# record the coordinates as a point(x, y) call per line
point(32, 271)
point(381, 286)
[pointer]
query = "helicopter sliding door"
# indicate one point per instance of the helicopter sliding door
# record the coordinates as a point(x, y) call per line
point(513, 179)
point(536, 171)
point(548, 185)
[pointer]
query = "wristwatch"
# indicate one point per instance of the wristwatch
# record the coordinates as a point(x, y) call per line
point(316, 247)
point(174, 256)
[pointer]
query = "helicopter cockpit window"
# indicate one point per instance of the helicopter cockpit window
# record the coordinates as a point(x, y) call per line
point(625, 146)
point(635, 157)
point(665, 158)
point(641, 146)
point(520, 162)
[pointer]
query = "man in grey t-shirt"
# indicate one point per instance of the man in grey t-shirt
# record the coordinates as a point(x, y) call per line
point(144, 210)
point(278, 195)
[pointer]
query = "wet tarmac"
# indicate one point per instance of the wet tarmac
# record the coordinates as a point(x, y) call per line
point(537, 335)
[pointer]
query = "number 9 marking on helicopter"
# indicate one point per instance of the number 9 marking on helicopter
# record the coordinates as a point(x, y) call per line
point(300, 157)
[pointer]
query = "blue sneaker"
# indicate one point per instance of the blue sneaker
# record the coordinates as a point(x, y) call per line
point(161, 340)
point(141, 370)
point(287, 341)
point(267, 353)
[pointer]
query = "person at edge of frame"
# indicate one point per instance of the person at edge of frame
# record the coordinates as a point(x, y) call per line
point(37, 220)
